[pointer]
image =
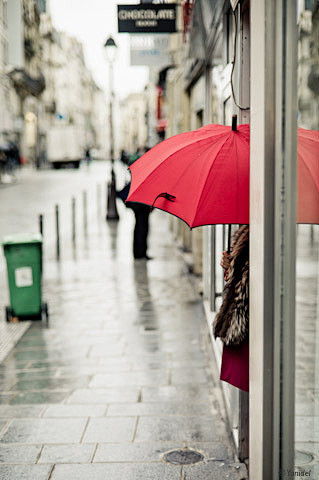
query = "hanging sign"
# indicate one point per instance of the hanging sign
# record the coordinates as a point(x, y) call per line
point(150, 50)
point(147, 18)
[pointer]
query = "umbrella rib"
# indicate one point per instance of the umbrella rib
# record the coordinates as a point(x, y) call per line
point(237, 177)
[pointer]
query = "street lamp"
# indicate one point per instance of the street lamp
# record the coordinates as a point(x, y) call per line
point(110, 53)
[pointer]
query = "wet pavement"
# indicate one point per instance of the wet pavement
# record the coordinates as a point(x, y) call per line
point(307, 350)
point(123, 373)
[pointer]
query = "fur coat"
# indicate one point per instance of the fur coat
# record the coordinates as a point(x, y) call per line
point(232, 320)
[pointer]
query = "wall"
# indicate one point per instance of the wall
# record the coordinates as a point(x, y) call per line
point(134, 128)
point(71, 96)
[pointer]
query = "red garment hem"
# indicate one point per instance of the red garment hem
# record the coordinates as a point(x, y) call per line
point(235, 365)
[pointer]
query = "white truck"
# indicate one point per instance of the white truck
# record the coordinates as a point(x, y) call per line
point(64, 146)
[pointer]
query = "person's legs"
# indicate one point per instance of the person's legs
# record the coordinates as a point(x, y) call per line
point(144, 231)
point(140, 233)
point(137, 247)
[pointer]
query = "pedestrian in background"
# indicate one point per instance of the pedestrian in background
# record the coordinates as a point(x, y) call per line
point(140, 235)
point(231, 323)
point(141, 213)
point(124, 157)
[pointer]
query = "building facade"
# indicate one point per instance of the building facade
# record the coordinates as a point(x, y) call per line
point(72, 99)
point(45, 83)
point(259, 60)
point(8, 100)
point(133, 112)
point(24, 71)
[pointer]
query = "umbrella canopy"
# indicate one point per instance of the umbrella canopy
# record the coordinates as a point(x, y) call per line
point(202, 176)
point(308, 176)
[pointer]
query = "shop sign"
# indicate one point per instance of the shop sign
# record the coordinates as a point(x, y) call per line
point(147, 18)
point(150, 50)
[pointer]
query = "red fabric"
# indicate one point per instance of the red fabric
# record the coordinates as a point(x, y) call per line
point(207, 170)
point(308, 176)
point(235, 365)
point(203, 169)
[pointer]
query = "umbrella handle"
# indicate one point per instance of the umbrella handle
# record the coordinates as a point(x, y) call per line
point(229, 238)
point(166, 195)
point(234, 123)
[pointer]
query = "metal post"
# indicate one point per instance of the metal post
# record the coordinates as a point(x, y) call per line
point(85, 222)
point(229, 238)
point(112, 213)
point(41, 224)
point(213, 270)
point(106, 193)
point(273, 135)
point(73, 221)
point(99, 201)
point(74, 228)
point(57, 225)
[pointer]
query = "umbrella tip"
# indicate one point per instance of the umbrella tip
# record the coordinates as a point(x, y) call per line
point(234, 123)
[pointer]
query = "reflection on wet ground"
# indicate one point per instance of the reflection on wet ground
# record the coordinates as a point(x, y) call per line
point(307, 349)
point(120, 376)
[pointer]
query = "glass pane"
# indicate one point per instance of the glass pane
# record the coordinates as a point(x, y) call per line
point(307, 278)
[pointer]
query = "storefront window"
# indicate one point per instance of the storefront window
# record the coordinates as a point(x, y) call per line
point(216, 236)
point(307, 255)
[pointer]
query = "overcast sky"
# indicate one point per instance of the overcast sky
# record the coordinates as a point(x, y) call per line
point(91, 22)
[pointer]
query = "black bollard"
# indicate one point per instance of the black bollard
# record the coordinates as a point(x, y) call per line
point(107, 193)
point(229, 239)
point(98, 201)
point(41, 224)
point(73, 222)
point(111, 212)
point(85, 218)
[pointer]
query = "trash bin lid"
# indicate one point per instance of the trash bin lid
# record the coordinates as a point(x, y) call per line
point(21, 238)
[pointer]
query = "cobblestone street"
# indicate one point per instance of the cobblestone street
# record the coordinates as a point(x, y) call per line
point(123, 373)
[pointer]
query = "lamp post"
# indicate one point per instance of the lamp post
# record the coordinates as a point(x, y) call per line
point(111, 214)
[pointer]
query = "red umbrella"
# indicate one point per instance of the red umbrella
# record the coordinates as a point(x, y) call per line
point(202, 176)
point(308, 176)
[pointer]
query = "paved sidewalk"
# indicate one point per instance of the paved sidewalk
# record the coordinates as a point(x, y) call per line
point(120, 376)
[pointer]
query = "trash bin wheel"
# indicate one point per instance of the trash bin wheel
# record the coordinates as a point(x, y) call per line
point(9, 314)
point(45, 312)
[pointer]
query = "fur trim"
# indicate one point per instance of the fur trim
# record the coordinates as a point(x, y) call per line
point(232, 321)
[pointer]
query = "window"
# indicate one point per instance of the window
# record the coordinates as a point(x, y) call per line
point(307, 262)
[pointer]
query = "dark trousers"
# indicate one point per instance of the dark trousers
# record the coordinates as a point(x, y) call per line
point(142, 213)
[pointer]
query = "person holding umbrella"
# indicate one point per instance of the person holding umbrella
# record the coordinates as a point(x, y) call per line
point(202, 177)
point(232, 321)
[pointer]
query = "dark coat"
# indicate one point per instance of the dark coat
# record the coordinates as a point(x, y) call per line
point(123, 194)
point(232, 321)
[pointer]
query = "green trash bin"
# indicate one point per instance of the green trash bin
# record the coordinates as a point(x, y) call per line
point(23, 254)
